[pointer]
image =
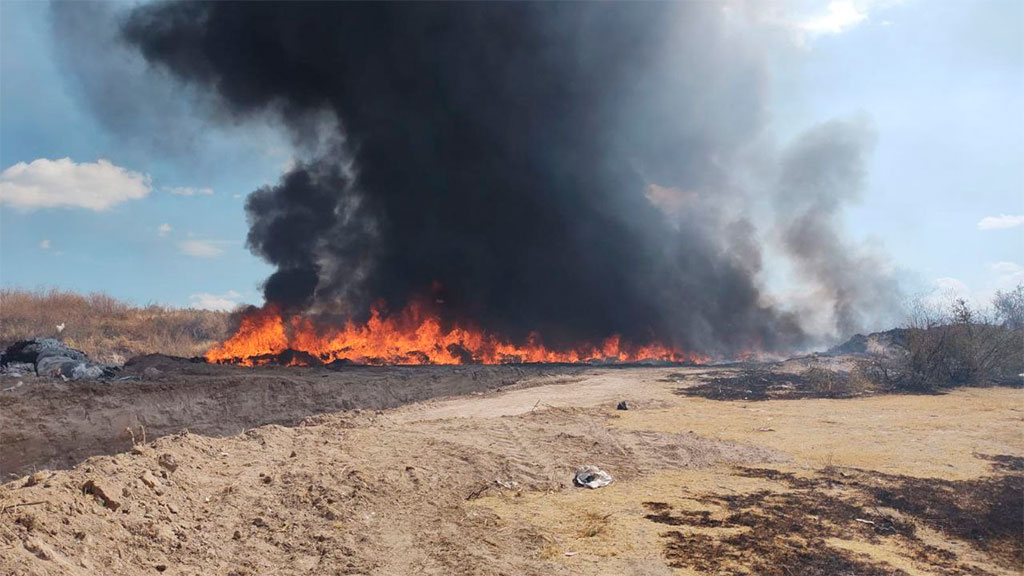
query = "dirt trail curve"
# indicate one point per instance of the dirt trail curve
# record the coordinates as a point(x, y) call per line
point(639, 387)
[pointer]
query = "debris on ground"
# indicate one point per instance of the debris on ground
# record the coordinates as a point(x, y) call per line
point(622, 406)
point(16, 369)
point(51, 358)
point(33, 350)
point(17, 385)
point(592, 477)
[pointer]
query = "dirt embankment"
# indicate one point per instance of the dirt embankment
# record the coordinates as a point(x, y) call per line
point(46, 423)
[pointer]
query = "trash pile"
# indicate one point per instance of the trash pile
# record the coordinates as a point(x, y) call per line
point(51, 358)
point(592, 477)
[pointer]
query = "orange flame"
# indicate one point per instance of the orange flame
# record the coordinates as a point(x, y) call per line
point(415, 336)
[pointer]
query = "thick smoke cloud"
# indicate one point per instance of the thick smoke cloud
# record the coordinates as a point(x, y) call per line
point(499, 151)
point(565, 168)
point(821, 173)
point(146, 111)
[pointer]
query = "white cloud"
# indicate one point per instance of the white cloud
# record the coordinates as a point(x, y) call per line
point(945, 290)
point(951, 285)
point(189, 191)
point(207, 301)
point(236, 196)
point(1001, 221)
point(839, 16)
point(811, 19)
point(62, 183)
point(1006, 267)
point(164, 229)
point(1008, 274)
point(1005, 276)
point(200, 248)
point(45, 244)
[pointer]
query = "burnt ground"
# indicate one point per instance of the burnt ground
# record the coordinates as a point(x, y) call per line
point(786, 532)
point(765, 382)
point(48, 423)
point(815, 376)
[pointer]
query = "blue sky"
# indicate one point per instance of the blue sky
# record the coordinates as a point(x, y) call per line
point(164, 248)
point(940, 83)
point(943, 86)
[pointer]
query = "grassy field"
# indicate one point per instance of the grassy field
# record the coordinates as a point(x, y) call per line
point(107, 329)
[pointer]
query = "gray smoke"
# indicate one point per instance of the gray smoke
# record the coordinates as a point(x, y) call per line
point(576, 170)
point(821, 173)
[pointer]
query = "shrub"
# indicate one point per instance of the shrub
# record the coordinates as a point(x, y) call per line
point(956, 346)
point(823, 382)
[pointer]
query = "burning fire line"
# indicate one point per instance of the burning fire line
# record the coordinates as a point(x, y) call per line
point(413, 336)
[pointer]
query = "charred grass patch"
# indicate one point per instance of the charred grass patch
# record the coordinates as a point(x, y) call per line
point(766, 384)
point(791, 557)
point(1003, 462)
point(786, 531)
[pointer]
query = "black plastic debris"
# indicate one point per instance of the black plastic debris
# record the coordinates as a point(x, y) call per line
point(51, 358)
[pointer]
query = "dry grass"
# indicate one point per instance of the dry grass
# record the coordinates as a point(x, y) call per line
point(107, 329)
point(826, 383)
point(594, 524)
point(919, 435)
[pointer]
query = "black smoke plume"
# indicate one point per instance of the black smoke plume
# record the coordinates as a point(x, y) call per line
point(509, 155)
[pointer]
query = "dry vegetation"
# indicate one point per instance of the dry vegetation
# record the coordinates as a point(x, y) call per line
point(107, 329)
point(956, 345)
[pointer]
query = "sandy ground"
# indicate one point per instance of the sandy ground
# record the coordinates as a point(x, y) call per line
point(482, 485)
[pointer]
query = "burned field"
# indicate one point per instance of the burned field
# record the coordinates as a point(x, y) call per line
point(777, 381)
point(787, 529)
point(765, 383)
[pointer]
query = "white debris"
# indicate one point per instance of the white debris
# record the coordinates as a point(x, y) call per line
point(592, 477)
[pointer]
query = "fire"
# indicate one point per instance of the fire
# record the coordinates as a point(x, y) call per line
point(414, 336)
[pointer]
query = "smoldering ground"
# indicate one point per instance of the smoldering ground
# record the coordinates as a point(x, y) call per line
point(566, 169)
